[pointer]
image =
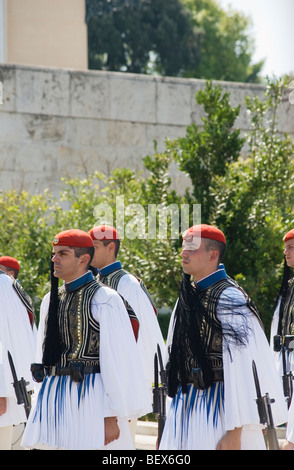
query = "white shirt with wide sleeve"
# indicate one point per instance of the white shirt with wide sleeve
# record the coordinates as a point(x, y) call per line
point(149, 331)
point(238, 403)
point(240, 391)
point(17, 337)
point(67, 415)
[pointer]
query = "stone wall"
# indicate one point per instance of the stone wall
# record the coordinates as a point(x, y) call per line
point(56, 122)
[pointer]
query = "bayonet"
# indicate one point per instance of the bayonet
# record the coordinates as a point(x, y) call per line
point(20, 388)
point(159, 392)
point(155, 388)
point(162, 370)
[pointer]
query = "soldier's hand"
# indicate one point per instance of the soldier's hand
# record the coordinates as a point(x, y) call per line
point(111, 429)
point(3, 405)
point(231, 440)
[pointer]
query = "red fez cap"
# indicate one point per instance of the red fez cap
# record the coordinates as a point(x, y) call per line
point(104, 232)
point(288, 236)
point(73, 238)
point(204, 231)
point(10, 262)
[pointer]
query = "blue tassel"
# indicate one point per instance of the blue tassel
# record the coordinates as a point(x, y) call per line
point(198, 401)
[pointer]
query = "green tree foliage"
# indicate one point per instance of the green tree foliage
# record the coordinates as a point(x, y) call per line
point(189, 38)
point(227, 46)
point(155, 37)
point(28, 225)
point(255, 201)
point(207, 152)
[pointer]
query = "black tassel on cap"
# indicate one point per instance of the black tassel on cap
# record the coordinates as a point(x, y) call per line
point(52, 349)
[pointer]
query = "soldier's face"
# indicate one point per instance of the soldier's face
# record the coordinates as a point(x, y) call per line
point(103, 255)
point(289, 252)
point(66, 265)
point(200, 262)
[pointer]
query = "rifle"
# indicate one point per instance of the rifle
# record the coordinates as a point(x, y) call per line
point(265, 413)
point(159, 392)
point(20, 388)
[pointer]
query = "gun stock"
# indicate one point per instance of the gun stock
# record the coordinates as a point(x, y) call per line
point(265, 413)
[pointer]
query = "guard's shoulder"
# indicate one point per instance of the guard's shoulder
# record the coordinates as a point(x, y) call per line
point(46, 297)
point(5, 280)
point(104, 293)
point(24, 297)
point(233, 294)
point(129, 278)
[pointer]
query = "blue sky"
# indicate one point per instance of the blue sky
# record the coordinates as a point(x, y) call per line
point(273, 31)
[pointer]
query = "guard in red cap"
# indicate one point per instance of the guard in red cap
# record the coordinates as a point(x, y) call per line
point(208, 255)
point(282, 333)
point(10, 266)
point(215, 332)
point(17, 337)
point(91, 378)
point(107, 244)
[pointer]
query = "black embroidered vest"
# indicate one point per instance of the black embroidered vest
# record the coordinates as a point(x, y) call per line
point(196, 354)
point(287, 320)
point(211, 331)
point(79, 332)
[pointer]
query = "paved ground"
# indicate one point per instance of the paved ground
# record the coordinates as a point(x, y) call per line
point(146, 435)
